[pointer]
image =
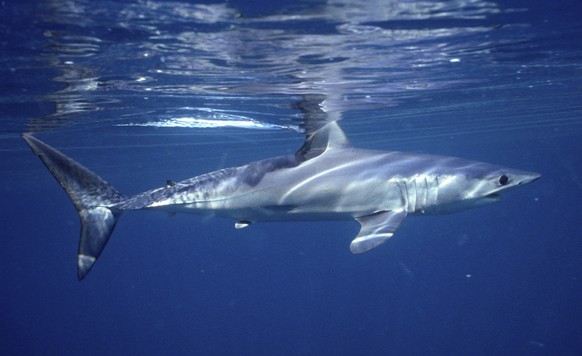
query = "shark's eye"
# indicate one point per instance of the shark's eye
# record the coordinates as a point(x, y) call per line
point(503, 180)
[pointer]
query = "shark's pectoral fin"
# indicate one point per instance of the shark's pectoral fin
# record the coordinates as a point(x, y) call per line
point(376, 229)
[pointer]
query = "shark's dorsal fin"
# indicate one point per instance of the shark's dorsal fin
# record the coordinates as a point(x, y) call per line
point(328, 137)
point(322, 132)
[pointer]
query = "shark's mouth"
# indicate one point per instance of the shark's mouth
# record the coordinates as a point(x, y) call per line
point(493, 196)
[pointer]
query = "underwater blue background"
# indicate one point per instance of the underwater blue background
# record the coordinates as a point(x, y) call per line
point(145, 91)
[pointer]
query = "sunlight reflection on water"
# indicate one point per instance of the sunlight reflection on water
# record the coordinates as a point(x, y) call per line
point(150, 64)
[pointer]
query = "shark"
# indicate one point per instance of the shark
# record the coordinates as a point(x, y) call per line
point(326, 179)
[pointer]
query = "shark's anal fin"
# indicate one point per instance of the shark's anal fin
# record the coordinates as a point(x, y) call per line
point(376, 228)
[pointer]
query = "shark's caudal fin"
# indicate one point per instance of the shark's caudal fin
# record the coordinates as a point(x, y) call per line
point(92, 196)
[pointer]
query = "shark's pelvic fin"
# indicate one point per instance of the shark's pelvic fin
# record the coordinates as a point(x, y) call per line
point(241, 224)
point(92, 196)
point(376, 229)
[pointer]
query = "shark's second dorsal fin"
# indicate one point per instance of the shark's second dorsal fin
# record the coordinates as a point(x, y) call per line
point(328, 137)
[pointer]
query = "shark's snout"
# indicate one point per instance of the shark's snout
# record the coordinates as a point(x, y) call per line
point(529, 178)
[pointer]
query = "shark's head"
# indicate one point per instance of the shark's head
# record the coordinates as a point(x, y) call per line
point(477, 184)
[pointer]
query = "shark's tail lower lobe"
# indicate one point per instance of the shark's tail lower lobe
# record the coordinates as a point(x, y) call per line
point(93, 198)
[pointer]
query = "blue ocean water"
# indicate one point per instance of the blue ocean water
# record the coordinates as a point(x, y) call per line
point(145, 91)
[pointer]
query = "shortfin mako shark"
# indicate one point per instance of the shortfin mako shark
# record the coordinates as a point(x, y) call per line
point(326, 179)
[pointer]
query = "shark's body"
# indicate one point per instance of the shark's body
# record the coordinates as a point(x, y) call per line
point(327, 179)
